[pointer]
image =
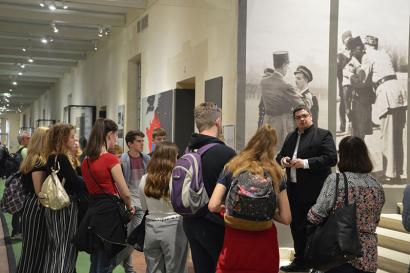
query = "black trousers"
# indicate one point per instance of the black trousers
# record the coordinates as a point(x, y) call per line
point(206, 240)
point(298, 225)
point(16, 223)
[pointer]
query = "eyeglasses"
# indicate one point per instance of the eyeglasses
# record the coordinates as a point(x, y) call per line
point(302, 116)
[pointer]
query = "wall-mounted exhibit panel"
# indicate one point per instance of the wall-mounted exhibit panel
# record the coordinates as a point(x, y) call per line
point(350, 71)
point(82, 117)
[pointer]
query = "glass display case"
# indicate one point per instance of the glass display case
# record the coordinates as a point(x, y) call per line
point(45, 122)
point(82, 117)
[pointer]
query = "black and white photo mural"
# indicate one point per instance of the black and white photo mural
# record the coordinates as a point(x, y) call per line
point(347, 60)
point(287, 57)
point(372, 72)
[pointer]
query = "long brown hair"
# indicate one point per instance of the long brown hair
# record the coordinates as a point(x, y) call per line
point(57, 138)
point(160, 170)
point(98, 135)
point(259, 156)
point(36, 151)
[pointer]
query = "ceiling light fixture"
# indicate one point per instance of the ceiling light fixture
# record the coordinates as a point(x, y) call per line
point(100, 32)
point(42, 4)
point(10, 90)
point(14, 83)
point(65, 6)
point(20, 73)
point(23, 49)
point(95, 45)
point(53, 26)
point(52, 6)
point(44, 40)
point(23, 66)
point(7, 95)
point(30, 60)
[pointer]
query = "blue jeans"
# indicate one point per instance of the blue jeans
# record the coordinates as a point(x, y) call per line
point(100, 262)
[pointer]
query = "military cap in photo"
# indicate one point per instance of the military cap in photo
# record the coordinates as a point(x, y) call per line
point(371, 40)
point(280, 58)
point(354, 42)
point(268, 70)
point(305, 71)
point(347, 35)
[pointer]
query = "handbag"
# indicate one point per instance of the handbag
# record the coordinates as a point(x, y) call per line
point(53, 194)
point(137, 236)
point(336, 241)
point(13, 195)
point(124, 214)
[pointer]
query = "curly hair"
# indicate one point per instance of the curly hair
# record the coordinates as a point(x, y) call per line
point(57, 138)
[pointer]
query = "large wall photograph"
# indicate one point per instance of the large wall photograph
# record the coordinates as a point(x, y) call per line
point(372, 63)
point(297, 31)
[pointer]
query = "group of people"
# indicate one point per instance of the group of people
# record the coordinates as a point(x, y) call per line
point(303, 193)
point(366, 76)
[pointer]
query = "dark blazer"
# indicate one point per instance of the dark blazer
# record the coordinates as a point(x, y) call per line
point(318, 147)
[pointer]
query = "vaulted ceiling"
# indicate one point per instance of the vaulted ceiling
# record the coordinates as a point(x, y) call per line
point(54, 35)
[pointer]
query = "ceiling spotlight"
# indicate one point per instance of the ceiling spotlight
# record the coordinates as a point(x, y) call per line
point(23, 66)
point(42, 4)
point(14, 83)
point(24, 50)
point(65, 6)
point(20, 73)
point(52, 7)
point(7, 95)
point(55, 29)
point(44, 41)
point(51, 39)
point(30, 60)
point(95, 45)
point(100, 32)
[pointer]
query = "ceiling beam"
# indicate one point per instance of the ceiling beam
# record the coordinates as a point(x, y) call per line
point(35, 54)
point(37, 44)
point(43, 30)
point(48, 74)
point(20, 79)
point(16, 12)
point(34, 68)
point(23, 59)
point(136, 4)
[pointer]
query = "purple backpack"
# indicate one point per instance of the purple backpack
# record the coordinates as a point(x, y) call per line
point(187, 190)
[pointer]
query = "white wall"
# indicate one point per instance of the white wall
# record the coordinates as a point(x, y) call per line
point(184, 39)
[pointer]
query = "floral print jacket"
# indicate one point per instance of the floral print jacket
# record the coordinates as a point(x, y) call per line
point(368, 194)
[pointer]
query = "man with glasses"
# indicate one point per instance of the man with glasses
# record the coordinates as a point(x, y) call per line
point(308, 154)
point(134, 163)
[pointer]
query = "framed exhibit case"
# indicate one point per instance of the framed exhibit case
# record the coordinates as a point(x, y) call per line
point(82, 117)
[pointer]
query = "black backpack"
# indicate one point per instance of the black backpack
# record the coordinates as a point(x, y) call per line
point(12, 162)
point(4, 154)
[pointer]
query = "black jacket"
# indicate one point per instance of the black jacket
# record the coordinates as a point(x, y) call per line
point(101, 227)
point(318, 147)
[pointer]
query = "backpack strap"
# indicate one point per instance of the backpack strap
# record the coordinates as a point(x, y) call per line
point(205, 148)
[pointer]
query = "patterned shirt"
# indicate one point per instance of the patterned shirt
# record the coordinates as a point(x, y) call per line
point(368, 194)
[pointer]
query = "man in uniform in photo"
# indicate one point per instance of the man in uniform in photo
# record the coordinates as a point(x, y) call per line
point(390, 106)
point(342, 59)
point(279, 97)
point(362, 95)
point(266, 73)
point(303, 76)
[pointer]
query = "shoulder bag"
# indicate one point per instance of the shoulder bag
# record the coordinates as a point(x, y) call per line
point(336, 241)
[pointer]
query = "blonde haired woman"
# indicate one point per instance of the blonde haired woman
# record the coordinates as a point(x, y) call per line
point(242, 250)
point(165, 246)
point(33, 170)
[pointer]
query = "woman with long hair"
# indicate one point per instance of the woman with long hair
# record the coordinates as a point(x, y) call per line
point(61, 255)
point(33, 171)
point(106, 185)
point(364, 190)
point(165, 246)
point(243, 248)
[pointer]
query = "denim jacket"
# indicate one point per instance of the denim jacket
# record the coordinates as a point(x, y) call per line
point(126, 168)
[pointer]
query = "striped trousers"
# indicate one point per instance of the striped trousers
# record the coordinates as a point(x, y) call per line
point(61, 255)
point(34, 231)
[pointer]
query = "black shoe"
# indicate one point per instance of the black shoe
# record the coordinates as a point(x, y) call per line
point(294, 267)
